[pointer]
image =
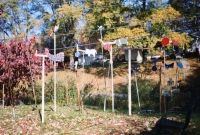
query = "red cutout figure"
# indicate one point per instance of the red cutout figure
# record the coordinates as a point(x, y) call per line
point(165, 41)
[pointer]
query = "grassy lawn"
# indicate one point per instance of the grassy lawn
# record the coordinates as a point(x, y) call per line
point(69, 120)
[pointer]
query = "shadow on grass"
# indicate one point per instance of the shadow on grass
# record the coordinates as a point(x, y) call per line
point(138, 127)
point(171, 132)
point(192, 82)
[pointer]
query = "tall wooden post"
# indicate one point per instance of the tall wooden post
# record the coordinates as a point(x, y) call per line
point(160, 81)
point(54, 73)
point(129, 81)
point(3, 97)
point(112, 86)
point(43, 88)
point(43, 75)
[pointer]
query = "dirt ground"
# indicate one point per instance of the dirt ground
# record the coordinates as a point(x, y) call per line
point(94, 76)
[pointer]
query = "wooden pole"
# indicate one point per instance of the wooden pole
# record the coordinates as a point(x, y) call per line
point(54, 73)
point(43, 88)
point(79, 100)
point(164, 83)
point(3, 97)
point(164, 69)
point(82, 105)
point(160, 78)
point(165, 103)
point(129, 81)
point(137, 90)
point(83, 74)
point(111, 60)
point(176, 76)
point(83, 85)
point(106, 91)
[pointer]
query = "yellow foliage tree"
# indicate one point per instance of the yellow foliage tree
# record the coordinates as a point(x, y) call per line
point(66, 12)
point(162, 14)
point(136, 33)
point(183, 38)
point(138, 37)
point(168, 14)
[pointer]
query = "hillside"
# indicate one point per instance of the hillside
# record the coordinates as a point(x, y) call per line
point(94, 76)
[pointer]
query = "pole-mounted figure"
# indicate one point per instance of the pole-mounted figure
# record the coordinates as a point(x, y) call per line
point(54, 30)
point(89, 52)
point(43, 75)
point(108, 46)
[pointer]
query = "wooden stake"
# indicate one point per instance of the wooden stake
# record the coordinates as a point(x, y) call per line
point(82, 106)
point(67, 93)
point(78, 92)
point(165, 104)
point(3, 97)
point(129, 82)
point(160, 78)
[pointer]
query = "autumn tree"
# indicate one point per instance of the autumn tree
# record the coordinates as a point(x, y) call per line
point(19, 66)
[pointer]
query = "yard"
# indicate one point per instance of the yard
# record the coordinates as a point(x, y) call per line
point(69, 119)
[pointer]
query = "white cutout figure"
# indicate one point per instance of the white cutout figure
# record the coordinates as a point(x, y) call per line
point(76, 65)
point(139, 58)
point(77, 54)
point(90, 52)
point(121, 41)
point(55, 29)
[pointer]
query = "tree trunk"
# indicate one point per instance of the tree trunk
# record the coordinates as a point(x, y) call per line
point(79, 97)
point(143, 5)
